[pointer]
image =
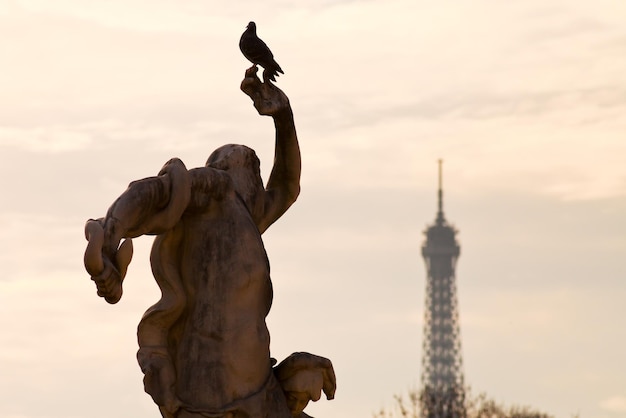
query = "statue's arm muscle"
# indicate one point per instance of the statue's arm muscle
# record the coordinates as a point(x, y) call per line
point(149, 206)
point(283, 186)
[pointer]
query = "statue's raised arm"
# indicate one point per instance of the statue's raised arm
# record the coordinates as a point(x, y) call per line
point(283, 185)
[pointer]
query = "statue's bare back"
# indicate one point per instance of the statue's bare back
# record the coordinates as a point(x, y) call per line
point(224, 331)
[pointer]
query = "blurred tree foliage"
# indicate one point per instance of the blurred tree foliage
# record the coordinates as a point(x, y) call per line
point(479, 406)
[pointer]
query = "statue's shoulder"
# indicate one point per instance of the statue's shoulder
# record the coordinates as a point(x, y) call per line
point(211, 183)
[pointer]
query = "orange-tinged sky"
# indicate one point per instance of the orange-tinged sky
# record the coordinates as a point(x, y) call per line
point(524, 101)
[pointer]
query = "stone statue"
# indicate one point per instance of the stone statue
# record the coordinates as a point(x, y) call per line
point(204, 346)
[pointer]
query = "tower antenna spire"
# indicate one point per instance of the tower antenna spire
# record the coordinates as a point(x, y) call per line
point(440, 217)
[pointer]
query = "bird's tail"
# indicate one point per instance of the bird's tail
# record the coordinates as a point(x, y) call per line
point(271, 74)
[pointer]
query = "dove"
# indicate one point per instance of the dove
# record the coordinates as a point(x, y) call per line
point(257, 52)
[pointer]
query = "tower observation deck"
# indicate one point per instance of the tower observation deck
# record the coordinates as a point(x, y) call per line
point(443, 393)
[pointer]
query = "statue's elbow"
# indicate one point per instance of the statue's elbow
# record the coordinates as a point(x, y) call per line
point(293, 194)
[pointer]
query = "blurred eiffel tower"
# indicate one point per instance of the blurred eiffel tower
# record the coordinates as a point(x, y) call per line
point(443, 393)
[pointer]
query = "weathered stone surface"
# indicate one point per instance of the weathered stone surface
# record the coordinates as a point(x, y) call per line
point(204, 346)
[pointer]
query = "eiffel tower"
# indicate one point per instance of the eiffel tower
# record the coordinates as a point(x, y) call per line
point(443, 393)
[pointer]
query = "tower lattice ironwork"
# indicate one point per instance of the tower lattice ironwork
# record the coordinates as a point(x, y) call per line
point(443, 393)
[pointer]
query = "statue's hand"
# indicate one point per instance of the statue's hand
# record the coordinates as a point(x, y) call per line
point(302, 377)
point(267, 98)
point(107, 273)
point(109, 283)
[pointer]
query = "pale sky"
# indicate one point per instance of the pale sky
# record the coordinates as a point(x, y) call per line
point(524, 100)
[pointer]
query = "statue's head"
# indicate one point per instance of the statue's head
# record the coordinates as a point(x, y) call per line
point(231, 156)
point(244, 168)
